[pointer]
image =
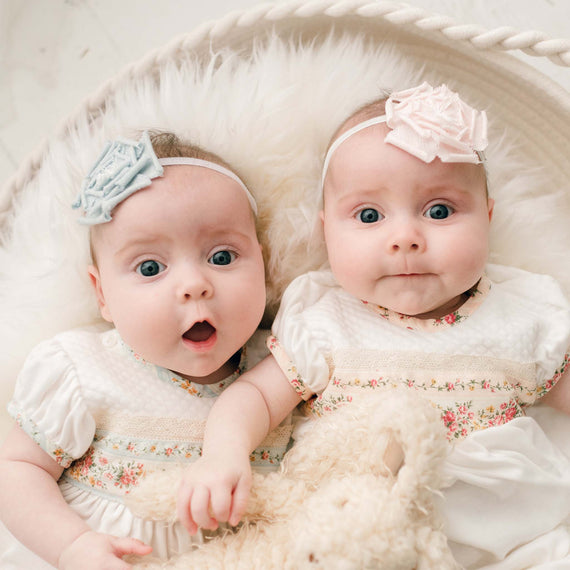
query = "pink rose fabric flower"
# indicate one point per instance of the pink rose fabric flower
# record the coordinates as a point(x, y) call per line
point(430, 122)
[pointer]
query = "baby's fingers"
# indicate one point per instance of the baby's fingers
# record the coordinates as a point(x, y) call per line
point(124, 546)
point(183, 511)
point(200, 508)
point(95, 551)
point(221, 502)
point(239, 500)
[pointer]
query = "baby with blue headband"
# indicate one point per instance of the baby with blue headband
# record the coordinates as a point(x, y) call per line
point(410, 302)
point(178, 272)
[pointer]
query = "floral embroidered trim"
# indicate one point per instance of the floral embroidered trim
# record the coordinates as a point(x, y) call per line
point(100, 472)
point(263, 456)
point(476, 296)
point(164, 450)
point(56, 452)
point(463, 418)
point(201, 390)
point(288, 368)
point(114, 463)
point(549, 384)
point(460, 416)
point(460, 419)
point(321, 405)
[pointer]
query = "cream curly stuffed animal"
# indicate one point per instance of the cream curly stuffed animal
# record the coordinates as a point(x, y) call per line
point(334, 504)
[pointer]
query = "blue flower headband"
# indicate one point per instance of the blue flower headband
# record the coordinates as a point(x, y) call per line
point(126, 166)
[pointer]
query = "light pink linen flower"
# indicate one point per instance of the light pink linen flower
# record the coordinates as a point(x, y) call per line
point(428, 122)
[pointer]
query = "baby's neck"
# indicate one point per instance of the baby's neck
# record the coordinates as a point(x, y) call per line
point(445, 309)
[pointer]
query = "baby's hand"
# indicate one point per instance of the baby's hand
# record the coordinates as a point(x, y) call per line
point(212, 491)
point(96, 551)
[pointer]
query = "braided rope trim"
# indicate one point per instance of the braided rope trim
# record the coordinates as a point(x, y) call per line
point(398, 13)
point(505, 38)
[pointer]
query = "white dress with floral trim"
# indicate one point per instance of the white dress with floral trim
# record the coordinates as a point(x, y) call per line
point(108, 417)
point(481, 366)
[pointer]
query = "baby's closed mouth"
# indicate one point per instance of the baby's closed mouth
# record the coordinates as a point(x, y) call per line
point(200, 332)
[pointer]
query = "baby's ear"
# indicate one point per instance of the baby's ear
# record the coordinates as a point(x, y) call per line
point(95, 278)
point(490, 205)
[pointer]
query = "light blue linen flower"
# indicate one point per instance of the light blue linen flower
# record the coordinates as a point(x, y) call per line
point(124, 167)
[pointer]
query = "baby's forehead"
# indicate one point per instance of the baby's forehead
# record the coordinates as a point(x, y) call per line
point(363, 146)
point(189, 186)
point(367, 165)
point(187, 195)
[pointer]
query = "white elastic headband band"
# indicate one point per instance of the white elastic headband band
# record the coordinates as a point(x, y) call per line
point(186, 161)
point(346, 135)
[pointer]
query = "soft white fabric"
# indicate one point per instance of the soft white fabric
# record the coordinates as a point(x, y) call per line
point(509, 488)
point(108, 417)
point(507, 498)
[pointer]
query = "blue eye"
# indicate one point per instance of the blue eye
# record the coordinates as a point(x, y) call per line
point(368, 215)
point(150, 268)
point(223, 257)
point(439, 212)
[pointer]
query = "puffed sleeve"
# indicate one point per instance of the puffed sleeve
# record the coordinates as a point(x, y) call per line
point(546, 385)
point(541, 298)
point(48, 406)
point(553, 352)
point(299, 342)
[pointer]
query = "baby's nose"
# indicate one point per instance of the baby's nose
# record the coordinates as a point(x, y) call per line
point(407, 238)
point(195, 285)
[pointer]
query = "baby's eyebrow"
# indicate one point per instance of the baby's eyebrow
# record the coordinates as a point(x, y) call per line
point(225, 233)
point(359, 195)
point(449, 187)
point(136, 242)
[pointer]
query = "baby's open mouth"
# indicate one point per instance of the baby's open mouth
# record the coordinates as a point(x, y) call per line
point(200, 332)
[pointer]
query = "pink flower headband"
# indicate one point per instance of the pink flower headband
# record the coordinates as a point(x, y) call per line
point(427, 123)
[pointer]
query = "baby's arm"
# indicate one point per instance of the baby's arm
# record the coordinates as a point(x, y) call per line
point(559, 396)
point(216, 488)
point(33, 509)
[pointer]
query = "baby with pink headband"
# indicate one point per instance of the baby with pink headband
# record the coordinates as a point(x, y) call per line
point(177, 269)
point(410, 302)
